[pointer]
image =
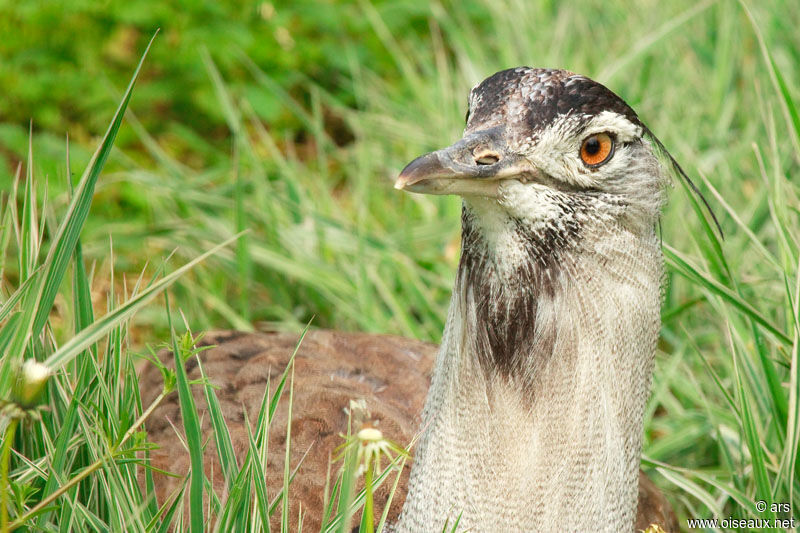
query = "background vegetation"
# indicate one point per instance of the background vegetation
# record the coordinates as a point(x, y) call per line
point(291, 121)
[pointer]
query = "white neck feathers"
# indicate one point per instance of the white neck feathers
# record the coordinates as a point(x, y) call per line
point(547, 438)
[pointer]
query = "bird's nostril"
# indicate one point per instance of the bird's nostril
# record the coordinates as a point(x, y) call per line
point(486, 157)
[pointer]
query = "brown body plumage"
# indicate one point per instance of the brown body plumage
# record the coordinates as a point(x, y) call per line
point(391, 373)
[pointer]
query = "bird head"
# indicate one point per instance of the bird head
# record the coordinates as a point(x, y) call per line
point(547, 149)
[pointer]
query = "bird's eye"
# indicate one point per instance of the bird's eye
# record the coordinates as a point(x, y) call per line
point(597, 149)
point(466, 117)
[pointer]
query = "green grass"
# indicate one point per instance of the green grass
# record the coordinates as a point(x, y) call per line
point(255, 143)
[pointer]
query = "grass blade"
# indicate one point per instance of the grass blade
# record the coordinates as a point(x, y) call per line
point(100, 327)
point(191, 426)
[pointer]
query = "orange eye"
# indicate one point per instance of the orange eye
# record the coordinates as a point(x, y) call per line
point(597, 149)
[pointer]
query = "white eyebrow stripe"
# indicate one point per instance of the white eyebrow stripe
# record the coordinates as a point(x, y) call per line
point(615, 123)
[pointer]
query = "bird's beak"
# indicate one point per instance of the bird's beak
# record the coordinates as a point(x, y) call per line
point(473, 166)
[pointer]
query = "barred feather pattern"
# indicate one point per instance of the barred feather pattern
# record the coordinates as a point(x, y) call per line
point(548, 436)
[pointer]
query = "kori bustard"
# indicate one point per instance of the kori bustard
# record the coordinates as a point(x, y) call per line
point(533, 418)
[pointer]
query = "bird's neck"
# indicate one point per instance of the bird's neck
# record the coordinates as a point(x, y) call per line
point(534, 417)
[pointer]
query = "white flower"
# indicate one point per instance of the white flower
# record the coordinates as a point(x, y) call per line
point(31, 382)
point(35, 373)
point(370, 434)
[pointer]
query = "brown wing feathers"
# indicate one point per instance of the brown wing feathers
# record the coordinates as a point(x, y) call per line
point(390, 373)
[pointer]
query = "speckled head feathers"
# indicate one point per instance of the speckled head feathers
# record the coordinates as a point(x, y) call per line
point(534, 97)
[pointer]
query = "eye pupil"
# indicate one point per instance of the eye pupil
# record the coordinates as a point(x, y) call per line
point(597, 149)
point(592, 146)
